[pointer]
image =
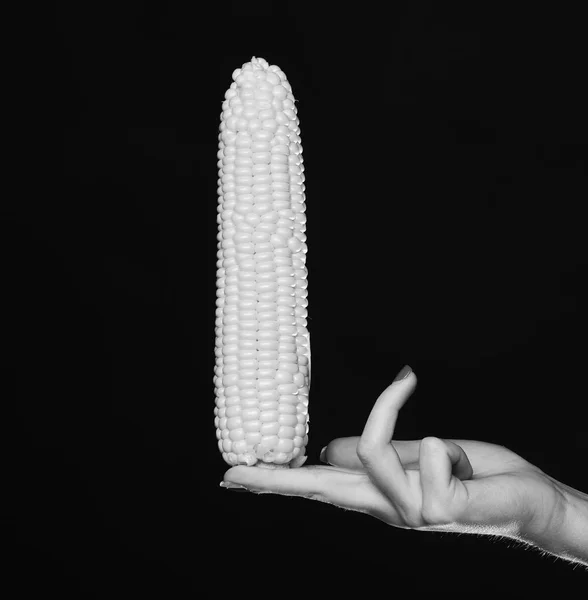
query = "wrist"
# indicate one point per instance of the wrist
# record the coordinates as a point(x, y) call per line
point(575, 541)
point(564, 531)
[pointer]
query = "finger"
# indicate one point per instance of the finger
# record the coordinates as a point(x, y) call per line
point(377, 454)
point(441, 460)
point(344, 488)
point(342, 452)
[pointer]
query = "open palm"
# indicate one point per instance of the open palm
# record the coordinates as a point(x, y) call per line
point(429, 484)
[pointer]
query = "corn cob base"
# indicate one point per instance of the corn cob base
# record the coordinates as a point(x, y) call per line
point(250, 461)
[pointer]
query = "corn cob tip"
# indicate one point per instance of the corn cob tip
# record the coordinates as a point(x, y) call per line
point(258, 68)
point(258, 62)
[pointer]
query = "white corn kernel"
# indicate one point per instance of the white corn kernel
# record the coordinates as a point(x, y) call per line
point(262, 347)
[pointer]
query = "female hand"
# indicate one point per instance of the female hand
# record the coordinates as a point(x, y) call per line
point(430, 484)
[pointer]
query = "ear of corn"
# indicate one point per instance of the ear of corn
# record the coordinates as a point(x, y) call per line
point(262, 372)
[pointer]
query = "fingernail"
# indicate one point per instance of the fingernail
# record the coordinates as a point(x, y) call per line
point(404, 373)
point(323, 454)
point(229, 485)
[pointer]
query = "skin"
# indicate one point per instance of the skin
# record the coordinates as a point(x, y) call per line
point(431, 484)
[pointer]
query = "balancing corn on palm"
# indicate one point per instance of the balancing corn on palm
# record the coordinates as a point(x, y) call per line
point(262, 372)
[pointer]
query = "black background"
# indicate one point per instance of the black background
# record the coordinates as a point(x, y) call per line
point(445, 156)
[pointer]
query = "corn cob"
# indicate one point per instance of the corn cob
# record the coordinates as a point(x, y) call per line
point(262, 371)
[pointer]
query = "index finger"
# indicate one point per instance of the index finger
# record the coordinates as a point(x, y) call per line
point(374, 449)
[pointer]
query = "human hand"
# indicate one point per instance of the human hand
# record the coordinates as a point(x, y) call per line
point(430, 484)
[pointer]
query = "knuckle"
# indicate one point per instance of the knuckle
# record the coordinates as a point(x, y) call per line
point(365, 456)
point(410, 516)
point(431, 442)
point(365, 450)
point(435, 512)
point(413, 519)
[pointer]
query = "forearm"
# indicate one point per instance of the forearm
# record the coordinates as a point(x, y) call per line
point(567, 535)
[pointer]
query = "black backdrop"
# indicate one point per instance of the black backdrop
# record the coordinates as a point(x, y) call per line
point(445, 155)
